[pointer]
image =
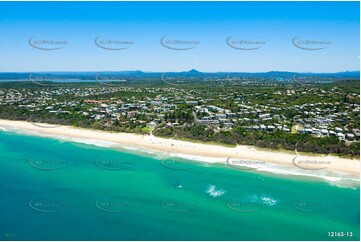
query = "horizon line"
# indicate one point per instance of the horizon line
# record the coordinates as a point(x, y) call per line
point(304, 72)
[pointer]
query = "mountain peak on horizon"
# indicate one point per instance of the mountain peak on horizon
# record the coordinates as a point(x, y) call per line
point(194, 71)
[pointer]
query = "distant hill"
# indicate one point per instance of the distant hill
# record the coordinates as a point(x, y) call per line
point(191, 73)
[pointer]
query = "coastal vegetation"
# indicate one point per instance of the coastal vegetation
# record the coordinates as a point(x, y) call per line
point(316, 117)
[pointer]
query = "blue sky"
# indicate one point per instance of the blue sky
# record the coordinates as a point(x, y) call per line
point(273, 25)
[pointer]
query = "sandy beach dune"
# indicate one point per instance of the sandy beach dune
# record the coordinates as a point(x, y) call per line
point(232, 156)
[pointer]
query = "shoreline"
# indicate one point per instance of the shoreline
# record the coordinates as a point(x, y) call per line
point(239, 155)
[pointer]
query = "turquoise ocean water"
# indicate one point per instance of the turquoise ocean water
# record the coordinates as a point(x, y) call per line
point(60, 190)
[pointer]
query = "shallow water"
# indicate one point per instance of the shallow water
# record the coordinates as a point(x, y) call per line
point(60, 190)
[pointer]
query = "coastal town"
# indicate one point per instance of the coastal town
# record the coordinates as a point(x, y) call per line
point(318, 111)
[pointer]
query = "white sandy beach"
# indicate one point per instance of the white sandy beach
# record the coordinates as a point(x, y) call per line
point(329, 163)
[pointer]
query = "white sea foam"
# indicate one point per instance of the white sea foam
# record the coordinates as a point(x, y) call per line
point(331, 176)
point(264, 199)
point(4, 129)
point(149, 152)
point(335, 178)
point(129, 148)
point(20, 131)
point(269, 201)
point(198, 158)
point(95, 142)
point(213, 192)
